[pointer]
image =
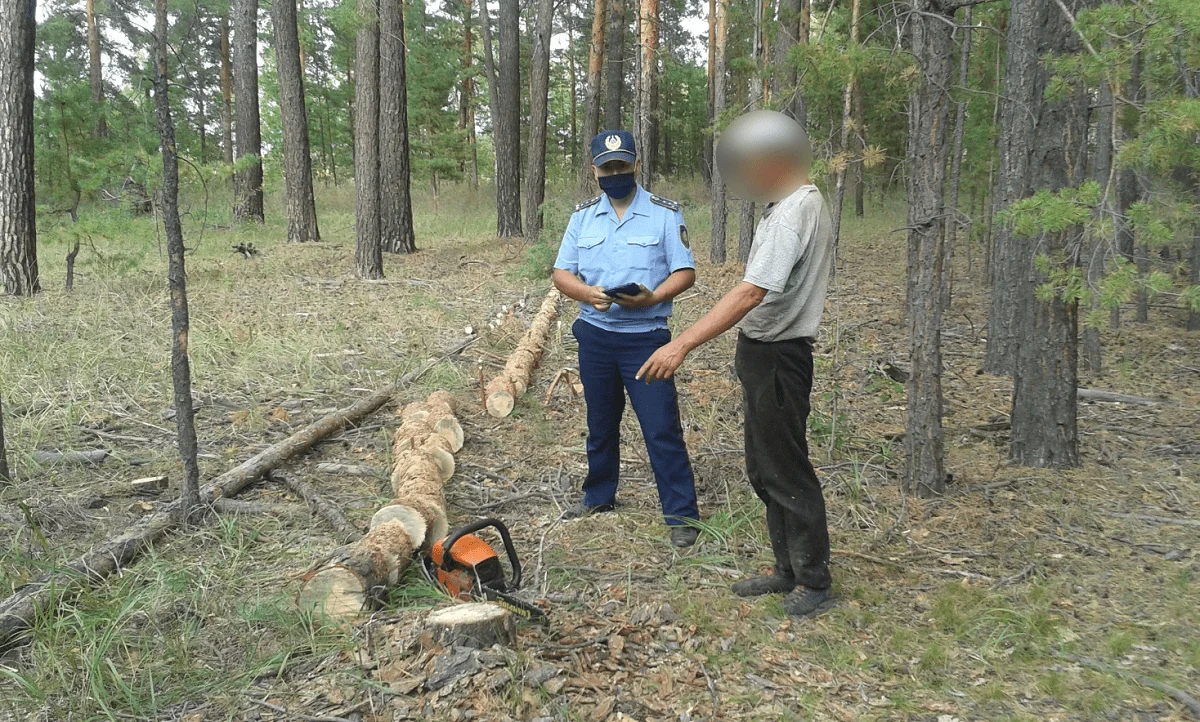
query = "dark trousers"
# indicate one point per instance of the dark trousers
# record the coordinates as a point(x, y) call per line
point(608, 362)
point(776, 385)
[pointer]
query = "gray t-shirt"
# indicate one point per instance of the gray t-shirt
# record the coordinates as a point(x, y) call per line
point(790, 259)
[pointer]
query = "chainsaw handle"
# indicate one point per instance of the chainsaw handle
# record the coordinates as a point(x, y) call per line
point(498, 525)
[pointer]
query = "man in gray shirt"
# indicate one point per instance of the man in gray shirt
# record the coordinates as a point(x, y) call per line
point(777, 308)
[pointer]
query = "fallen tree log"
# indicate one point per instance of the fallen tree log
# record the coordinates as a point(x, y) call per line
point(51, 458)
point(502, 391)
point(18, 611)
point(357, 575)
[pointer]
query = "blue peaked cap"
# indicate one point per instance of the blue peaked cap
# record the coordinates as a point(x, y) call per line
point(613, 145)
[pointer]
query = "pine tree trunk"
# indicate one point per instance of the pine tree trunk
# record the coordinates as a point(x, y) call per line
point(201, 116)
point(615, 53)
point(717, 244)
point(18, 216)
point(5, 476)
point(95, 75)
point(489, 57)
point(1102, 168)
point(1128, 188)
point(753, 100)
point(928, 116)
point(226, 94)
point(1045, 371)
point(783, 79)
point(507, 122)
point(467, 103)
point(798, 108)
point(706, 166)
point(572, 148)
point(395, 182)
point(843, 160)
point(297, 159)
point(591, 121)
point(860, 133)
point(368, 247)
point(647, 80)
point(181, 374)
point(539, 98)
point(956, 151)
point(248, 185)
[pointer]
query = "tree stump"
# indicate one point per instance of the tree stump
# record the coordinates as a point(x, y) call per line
point(475, 624)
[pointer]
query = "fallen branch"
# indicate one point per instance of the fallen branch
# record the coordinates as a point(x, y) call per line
point(19, 610)
point(901, 567)
point(319, 505)
point(1183, 698)
point(1153, 519)
point(1113, 398)
point(329, 467)
point(237, 507)
point(47, 458)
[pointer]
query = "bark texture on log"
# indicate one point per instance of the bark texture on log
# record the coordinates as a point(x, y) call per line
point(18, 611)
point(502, 391)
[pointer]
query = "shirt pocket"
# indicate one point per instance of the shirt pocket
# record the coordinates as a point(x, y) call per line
point(590, 251)
point(645, 252)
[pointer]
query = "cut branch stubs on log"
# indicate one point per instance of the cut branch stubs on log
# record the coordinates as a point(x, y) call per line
point(502, 391)
point(359, 574)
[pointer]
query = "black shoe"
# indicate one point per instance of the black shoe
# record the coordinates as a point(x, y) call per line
point(579, 511)
point(684, 536)
point(807, 603)
point(765, 584)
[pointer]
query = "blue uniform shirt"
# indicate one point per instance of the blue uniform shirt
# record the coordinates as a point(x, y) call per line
point(646, 247)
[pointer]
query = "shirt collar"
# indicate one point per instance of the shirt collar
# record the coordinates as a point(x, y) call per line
point(639, 207)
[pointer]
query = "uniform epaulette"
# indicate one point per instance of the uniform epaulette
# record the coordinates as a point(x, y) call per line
point(587, 204)
point(665, 203)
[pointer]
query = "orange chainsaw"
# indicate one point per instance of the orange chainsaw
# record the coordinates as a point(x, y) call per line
point(469, 568)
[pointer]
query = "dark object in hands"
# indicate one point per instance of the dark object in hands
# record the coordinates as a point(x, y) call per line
point(629, 289)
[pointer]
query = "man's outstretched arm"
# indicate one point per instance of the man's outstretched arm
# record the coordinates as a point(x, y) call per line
point(728, 311)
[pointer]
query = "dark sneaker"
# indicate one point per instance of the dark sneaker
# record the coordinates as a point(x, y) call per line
point(807, 603)
point(684, 536)
point(579, 510)
point(765, 584)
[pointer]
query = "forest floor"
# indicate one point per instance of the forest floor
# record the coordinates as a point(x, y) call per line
point(1020, 595)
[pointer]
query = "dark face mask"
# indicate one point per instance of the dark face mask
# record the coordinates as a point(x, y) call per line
point(617, 186)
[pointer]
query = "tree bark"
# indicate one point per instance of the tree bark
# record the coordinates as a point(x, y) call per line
point(368, 247)
point(1102, 168)
point(395, 193)
point(615, 80)
point(467, 103)
point(1045, 371)
point(860, 132)
point(956, 152)
point(226, 94)
point(647, 90)
point(95, 76)
point(706, 166)
point(508, 123)
point(1025, 79)
point(1128, 187)
point(297, 160)
point(591, 121)
point(181, 374)
point(248, 184)
point(928, 116)
point(5, 476)
point(753, 100)
point(489, 58)
point(18, 224)
point(843, 161)
point(572, 147)
point(717, 243)
point(539, 113)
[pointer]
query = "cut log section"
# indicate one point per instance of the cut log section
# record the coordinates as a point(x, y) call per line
point(502, 391)
point(475, 624)
point(359, 574)
point(422, 460)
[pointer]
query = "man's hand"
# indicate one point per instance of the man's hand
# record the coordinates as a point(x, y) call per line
point(644, 299)
point(664, 362)
point(598, 299)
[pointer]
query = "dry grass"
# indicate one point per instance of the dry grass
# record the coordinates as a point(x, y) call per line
point(960, 607)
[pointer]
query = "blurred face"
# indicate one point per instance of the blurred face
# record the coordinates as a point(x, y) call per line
point(765, 178)
point(614, 167)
